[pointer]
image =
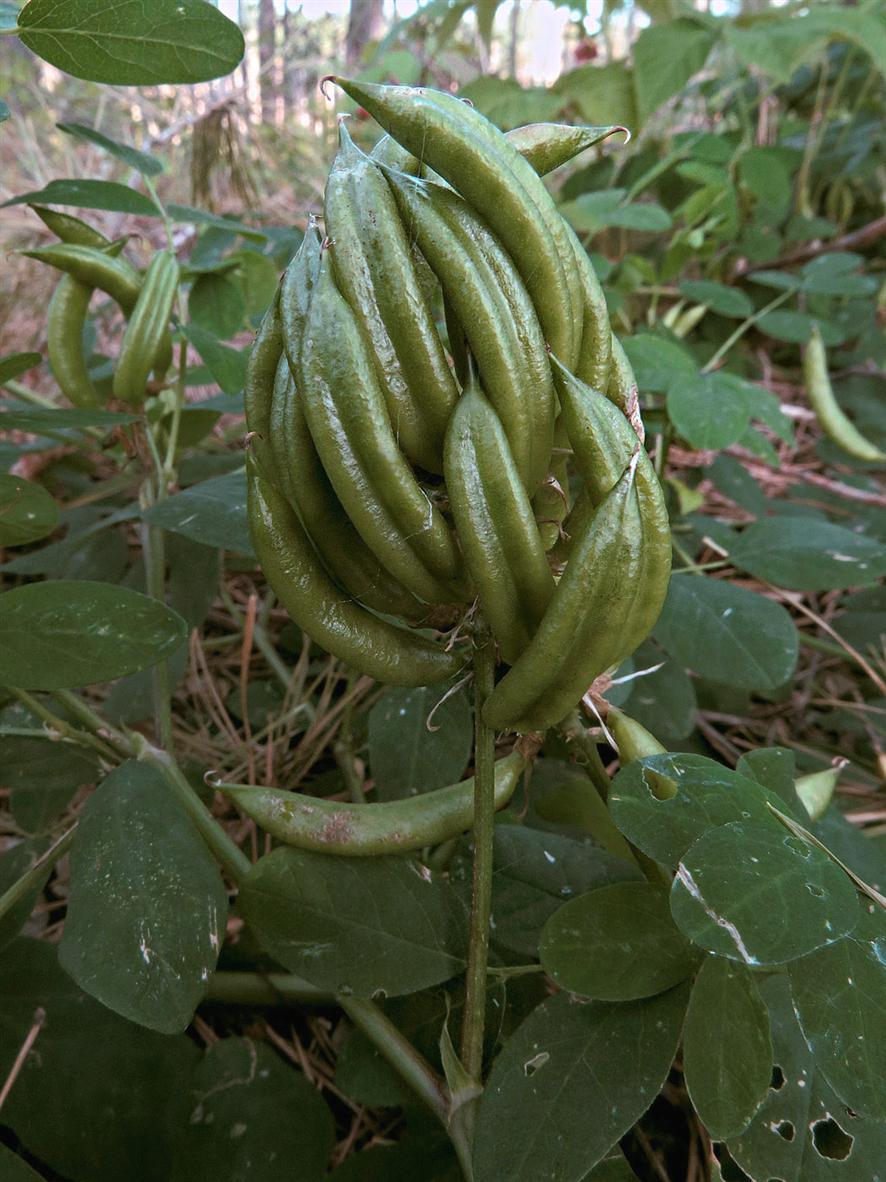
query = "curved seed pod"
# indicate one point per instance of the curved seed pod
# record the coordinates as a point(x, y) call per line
point(492, 304)
point(835, 424)
point(349, 422)
point(495, 524)
point(296, 289)
point(361, 830)
point(114, 276)
point(375, 272)
point(603, 443)
point(550, 504)
point(68, 310)
point(547, 146)
point(147, 328)
point(572, 645)
point(66, 321)
point(70, 229)
point(469, 152)
point(595, 351)
point(300, 476)
point(388, 151)
point(622, 388)
point(458, 342)
point(258, 385)
point(350, 632)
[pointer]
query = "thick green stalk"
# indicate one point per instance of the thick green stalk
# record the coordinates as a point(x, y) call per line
point(265, 989)
point(484, 822)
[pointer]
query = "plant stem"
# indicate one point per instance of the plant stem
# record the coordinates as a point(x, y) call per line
point(32, 876)
point(484, 822)
point(63, 728)
point(574, 733)
point(743, 328)
point(154, 548)
point(409, 1063)
point(265, 989)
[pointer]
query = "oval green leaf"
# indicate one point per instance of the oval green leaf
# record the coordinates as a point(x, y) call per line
point(146, 904)
point(728, 634)
point(164, 41)
point(67, 633)
point(727, 1049)
point(617, 943)
point(572, 1080)
point(27, 511)
point(405, 756)
point(756, 894)
point(707, 412)
point(15, 364)
point(356, 925)
point(89, 194)
point(724, 300)
point(141, 161)
point(805, 554)
point(251, 1115)
point(212, 513)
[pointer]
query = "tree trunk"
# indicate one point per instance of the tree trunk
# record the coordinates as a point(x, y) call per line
point(365, 24)
point(267, 30)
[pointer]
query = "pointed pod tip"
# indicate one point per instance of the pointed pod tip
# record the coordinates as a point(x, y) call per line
point(324, 82)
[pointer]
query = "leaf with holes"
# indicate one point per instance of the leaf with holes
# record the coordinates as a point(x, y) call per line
point(356, 925)
point(616, 943)
point(754, 893)
point(727, 634)
point(840, 997)
point(536, 872)
point(251, 1114)
point(802, 1133)
point(146, 905)
point(27, 511)
point(570, 1081)
point(707, 795)
point(405, 756)
point(727, 1050)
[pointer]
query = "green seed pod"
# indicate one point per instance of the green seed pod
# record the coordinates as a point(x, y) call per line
point(147, 328)
point(834, 422)
point(361, 830)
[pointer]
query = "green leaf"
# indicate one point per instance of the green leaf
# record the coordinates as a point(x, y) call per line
point(663, 701)
point(257, 277)
point(405, 757)
point(802, 1133)
point(168, 41)
point(201, 217)
point(708, 412)
point(88, 194)
point(12, 1168)
point(100, 553)
point(839, 995)
point(776, 47)
point(355, 925)
point(216, 304)
point(142, 162)
point(724, 300)
point(642, 216)
point(146, 905)
point(707, 795)
point(251, 1115)
point(212, 512)
point(808, 555)
point(767, 173)
point(728, 634)
point(365, 1076)
point(66, 633)
point(727, 1048)
point(227, 366)
point(43, 776)
point(796, 327)
point(27, 511)
point(35, 420)
point(733, 479)
point(603, 94)
point(754, 893)
point(775, 768)
point(570, 1082)
point(665, 58)
point(15, 863)
point(13, 365)
point(92, 1097)
point(592, 211)
point(616, 943)
point(658, 363)
point(535, 872)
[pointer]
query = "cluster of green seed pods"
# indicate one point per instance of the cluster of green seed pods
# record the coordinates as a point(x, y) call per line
point(436, 374)
point(89, 262)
